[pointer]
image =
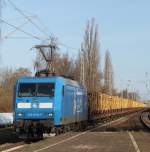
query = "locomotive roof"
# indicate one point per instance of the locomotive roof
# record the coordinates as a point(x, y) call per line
point(53, 78)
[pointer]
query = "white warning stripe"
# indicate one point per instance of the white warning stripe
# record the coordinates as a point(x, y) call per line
point(46, 105)
point(134, 142)
point(13, 149)
point(23, 105)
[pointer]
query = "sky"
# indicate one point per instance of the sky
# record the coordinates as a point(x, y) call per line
point(124, 29)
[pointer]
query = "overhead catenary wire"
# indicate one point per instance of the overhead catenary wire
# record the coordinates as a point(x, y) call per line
point(19, 29)
point(12, 32)
point(25, 16)
point(20, 18)
point(68, 47)
point(35, 25)
point(43, 31)
point(18, 37)
point(43, 25)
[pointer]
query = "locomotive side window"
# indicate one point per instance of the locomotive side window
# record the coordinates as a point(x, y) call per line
point(63, 90)
point(27, 89)
point(45, 89)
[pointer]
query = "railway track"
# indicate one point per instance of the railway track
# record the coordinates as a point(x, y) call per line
point(13, 147)
point(9, 147)
point(130, 122)
point(8, 139)
point(145, 119)
point(69, 138)
point(98, 128)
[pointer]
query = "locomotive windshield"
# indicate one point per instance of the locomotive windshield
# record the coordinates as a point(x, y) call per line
point(36, 89)
point(45, 89)
point(27, 89)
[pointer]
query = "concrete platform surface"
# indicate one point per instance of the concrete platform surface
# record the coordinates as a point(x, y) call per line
point(93, 141)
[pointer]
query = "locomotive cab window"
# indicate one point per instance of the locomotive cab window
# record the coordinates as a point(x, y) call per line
point(45, 89)
point(36, 89)
point(27, 89)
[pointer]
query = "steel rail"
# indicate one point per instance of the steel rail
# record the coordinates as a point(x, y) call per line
point(142, 120)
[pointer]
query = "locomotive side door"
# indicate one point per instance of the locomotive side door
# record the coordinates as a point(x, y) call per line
point(68, 105)
point(75, 109)
point(77, 98)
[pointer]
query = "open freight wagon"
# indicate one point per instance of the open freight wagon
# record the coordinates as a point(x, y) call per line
point(103, 106)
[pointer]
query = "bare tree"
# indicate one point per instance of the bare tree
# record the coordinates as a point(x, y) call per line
point(91, 57)
point(108, 74)
point(87, 63)
point(8, 78)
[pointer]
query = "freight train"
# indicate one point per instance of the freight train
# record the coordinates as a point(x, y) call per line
point(56, 104)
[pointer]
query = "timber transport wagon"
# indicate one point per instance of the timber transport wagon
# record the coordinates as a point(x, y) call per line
point(102, 106)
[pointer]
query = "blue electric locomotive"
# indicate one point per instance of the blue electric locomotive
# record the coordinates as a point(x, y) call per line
point(48, 104)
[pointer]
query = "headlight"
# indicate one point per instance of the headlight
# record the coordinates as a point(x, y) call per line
point(50, 114)
point(20, 114)
point(17, 130)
